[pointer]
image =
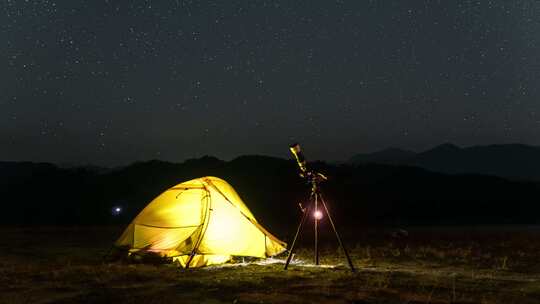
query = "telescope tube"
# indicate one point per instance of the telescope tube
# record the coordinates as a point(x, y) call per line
point(299, 156)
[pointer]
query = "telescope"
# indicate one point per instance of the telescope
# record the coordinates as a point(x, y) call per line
point(305, 172)
point(316, 199)
point(300, 159)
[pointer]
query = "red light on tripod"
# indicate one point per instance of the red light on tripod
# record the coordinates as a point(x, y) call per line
point(317, 214)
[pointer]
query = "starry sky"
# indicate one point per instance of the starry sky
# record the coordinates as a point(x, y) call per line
point(111, 82)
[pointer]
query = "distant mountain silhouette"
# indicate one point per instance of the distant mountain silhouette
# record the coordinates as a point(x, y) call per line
point(360, 194)
point(386, 156)
point(513, 161)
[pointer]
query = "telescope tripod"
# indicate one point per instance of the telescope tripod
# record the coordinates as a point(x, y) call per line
point(316, 199)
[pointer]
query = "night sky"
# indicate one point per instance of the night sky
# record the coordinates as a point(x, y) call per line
point(112, 82)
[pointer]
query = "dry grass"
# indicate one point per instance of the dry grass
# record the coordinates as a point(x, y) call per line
point(65, 265)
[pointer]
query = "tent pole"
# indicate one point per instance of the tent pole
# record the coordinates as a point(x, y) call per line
point(204, 225)
point(191, 255)
point(337, 234)
point(302, 220)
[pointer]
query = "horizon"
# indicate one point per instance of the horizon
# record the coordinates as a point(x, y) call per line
point(283, 157)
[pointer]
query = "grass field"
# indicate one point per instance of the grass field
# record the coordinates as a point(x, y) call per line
point(66, 265)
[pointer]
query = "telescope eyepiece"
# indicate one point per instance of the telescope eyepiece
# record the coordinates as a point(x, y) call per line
point(295, 148)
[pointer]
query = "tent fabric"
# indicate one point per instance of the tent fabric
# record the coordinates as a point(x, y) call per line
point(204, 218)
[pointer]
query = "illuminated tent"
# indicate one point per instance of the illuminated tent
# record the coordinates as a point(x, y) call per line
point(204, 219)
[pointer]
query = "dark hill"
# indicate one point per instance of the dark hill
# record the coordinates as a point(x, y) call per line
point(512, 161)
point(358, 195)
point(387, 156)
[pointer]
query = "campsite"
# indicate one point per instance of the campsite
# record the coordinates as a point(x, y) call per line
point(270, 151)
point(399, 257)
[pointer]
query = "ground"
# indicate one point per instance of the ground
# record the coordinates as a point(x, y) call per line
point(466, 265)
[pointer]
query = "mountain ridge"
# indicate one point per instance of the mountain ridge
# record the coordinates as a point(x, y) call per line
point(511, 161)
point(364, 194)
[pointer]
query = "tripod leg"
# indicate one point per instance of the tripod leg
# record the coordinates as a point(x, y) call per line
point(316, 231)
point(337, 234)
point(291, 251)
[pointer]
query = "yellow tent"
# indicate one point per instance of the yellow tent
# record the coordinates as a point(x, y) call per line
point(204, 219)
